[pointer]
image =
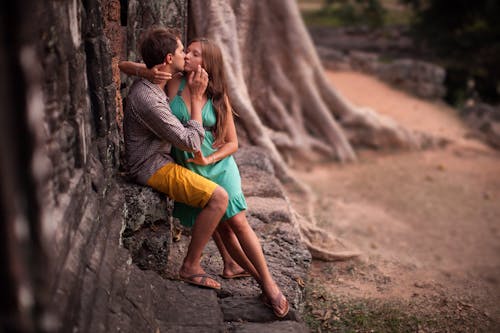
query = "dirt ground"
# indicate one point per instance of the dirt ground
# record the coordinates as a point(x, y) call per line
point(427, 222)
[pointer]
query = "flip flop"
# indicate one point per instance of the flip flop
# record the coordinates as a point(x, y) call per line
point(274, 304)
point(243, 274)
point(202, 283)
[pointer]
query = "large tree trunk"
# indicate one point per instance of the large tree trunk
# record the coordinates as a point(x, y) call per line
point(284, 101)
point(277, 83)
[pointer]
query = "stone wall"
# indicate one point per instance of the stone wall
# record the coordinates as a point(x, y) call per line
point(83, 115)
point(59, 61)
point(84, 250)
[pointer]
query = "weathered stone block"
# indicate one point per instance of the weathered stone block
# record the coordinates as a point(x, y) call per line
point(278, 326)
point(253, 156)
point(269, 210)
point(147, 226)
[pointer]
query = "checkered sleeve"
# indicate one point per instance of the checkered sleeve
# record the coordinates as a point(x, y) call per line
point(156, 115)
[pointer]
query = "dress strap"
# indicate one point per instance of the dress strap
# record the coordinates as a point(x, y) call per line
point(209, 128)
point(181, 86)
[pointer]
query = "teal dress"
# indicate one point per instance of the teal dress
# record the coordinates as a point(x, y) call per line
point(224, 172)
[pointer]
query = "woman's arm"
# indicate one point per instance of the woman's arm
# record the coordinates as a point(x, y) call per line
point(229, 147)
point(139, 69)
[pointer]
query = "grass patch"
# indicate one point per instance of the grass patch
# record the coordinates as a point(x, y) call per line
point(374, 14)
point(325, 312)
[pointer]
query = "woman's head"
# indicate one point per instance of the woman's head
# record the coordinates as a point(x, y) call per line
point(207, 54)
point(204, 52)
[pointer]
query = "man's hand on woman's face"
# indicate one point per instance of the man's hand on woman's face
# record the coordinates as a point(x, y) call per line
point(198, 82)
point(157, 76)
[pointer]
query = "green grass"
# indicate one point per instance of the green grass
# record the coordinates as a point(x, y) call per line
point(326, 312)
point(315, 13)
point(314, 19)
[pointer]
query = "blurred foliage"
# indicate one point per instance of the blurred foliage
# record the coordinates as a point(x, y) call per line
point(465, 36)
point(349, 13)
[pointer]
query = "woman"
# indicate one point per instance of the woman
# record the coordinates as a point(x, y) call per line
point(216, 163)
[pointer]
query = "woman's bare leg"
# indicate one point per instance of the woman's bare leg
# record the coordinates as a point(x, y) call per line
point(231, 267)
point(232, 245)
point(253, 251)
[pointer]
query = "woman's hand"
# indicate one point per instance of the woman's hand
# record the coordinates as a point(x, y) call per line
point(156, 75)
point(200, 159)
point(198, 82)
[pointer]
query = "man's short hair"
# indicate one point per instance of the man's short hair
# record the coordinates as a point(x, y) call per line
point(156, 43)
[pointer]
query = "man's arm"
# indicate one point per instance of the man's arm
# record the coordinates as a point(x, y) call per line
point(158, 118)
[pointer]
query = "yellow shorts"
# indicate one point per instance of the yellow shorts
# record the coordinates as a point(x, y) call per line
point(182, 185)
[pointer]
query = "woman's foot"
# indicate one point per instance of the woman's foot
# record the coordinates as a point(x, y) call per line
point(233, 270)
point(278, 303)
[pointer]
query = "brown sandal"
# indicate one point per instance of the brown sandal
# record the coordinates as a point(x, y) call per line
point(274, 304)
point(203, 282)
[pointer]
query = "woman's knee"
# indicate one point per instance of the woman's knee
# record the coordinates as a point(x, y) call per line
point(239, 223)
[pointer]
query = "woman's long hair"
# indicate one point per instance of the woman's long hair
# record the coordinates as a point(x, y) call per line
point(217, 86)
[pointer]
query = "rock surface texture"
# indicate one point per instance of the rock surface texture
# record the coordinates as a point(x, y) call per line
point(351, 49)
point(238, 306)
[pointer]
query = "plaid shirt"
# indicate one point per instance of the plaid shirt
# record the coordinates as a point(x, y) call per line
point(150, 129)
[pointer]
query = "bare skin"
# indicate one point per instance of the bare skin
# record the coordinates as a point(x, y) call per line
point(231, 267)
point(203, 228)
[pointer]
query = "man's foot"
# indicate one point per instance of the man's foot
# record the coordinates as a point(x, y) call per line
point(202, 280)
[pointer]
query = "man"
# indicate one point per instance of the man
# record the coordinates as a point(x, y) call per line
point(150, 130)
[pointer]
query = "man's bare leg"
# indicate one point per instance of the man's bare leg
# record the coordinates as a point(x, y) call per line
point(204, 226)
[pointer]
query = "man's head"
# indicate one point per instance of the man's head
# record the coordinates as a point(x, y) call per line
point(162, 45)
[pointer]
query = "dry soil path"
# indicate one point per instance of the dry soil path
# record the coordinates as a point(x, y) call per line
point(427, 222)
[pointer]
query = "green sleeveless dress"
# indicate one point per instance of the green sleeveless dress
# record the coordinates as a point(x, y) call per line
point(224, 172)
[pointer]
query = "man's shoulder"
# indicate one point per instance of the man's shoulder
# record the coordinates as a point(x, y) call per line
point(139, 89)
point(145, 91)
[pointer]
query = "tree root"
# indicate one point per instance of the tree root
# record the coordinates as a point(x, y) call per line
point(284, 101)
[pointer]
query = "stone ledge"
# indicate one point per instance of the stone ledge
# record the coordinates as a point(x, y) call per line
point(278, 326)
point(147, 227)
point(147, 233)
